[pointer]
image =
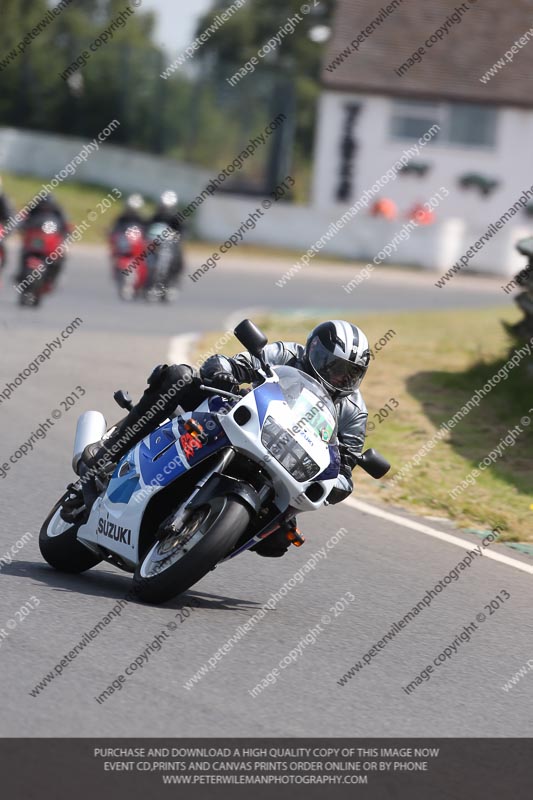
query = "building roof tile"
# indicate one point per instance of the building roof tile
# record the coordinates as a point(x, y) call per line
point(452, 67)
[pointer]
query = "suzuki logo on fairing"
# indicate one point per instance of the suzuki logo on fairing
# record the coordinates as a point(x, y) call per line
point(114, 531)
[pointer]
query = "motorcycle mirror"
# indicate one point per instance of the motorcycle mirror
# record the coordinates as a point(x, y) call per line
point(374, 463)
point(251, 337)
point(123, 399)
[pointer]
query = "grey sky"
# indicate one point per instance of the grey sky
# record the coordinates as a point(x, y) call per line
point(176, 21)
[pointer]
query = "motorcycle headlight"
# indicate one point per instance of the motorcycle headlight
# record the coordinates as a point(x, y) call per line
point(282, 446)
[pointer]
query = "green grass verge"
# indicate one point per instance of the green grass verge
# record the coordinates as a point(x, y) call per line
point(431, 366)
point(79, 198)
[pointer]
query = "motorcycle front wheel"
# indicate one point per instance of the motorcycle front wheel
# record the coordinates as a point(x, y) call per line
point(30, 298)
point(183, 556)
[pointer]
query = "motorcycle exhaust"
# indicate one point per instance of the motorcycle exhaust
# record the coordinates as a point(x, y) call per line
point(90, 428)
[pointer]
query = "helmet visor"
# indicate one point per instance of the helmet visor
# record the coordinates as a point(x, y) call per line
point(337, 373)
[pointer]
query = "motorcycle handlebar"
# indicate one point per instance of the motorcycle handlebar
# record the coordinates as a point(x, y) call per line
point(222, 392)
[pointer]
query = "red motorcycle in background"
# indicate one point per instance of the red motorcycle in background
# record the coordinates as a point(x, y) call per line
point(39, 242)
point(128, 260)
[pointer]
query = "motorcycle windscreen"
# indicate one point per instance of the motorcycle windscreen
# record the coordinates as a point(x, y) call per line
point(299, 439)
point(312, 407)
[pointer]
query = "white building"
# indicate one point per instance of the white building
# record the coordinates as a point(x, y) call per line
point(392, 73)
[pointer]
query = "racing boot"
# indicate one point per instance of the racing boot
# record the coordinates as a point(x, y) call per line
point(277, 544)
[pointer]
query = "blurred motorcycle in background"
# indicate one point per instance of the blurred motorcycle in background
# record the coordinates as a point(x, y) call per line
point(128, 259)
point(39, 271)
point(165, 262)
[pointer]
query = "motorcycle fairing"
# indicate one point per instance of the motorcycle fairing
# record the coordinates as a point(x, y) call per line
point(149, 467)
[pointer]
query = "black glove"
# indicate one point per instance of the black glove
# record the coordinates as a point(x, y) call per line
point(217, 371)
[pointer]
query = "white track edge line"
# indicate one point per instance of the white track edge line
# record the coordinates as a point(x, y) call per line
point(444, 537)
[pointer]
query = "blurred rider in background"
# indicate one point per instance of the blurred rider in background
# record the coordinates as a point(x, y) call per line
point(166, 213)
point(6, 211)
point(47, 207)
point(131, 214)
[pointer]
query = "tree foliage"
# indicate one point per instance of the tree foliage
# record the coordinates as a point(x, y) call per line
point(120, 80)
point(194, 114)
point(238, 39)
point(297, 58)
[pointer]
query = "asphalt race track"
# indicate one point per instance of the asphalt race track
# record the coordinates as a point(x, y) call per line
point(386, 567)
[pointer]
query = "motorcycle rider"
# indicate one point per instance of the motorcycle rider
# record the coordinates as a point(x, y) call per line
point(46, 206)
point(166, 211)
point(6, 211)
point(130, 243)
point(166, 214)
point(336, 354)
point(131, 214)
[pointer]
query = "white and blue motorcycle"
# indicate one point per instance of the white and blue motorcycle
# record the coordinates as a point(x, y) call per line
point(165, 264)
point(209, 484)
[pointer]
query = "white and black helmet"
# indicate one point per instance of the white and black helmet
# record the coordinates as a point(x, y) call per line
point(167, 205)
point(338, 355)
point(134, 202)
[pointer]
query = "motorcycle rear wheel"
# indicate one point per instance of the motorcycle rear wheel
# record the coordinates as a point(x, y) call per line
point(59, 545)
point(30, 299)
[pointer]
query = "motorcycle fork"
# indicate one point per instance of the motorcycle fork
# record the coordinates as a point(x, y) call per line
point(225, 459)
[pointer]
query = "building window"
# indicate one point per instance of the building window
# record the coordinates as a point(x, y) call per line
point(460, 124)
point(472, 125)
point(411, 120)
